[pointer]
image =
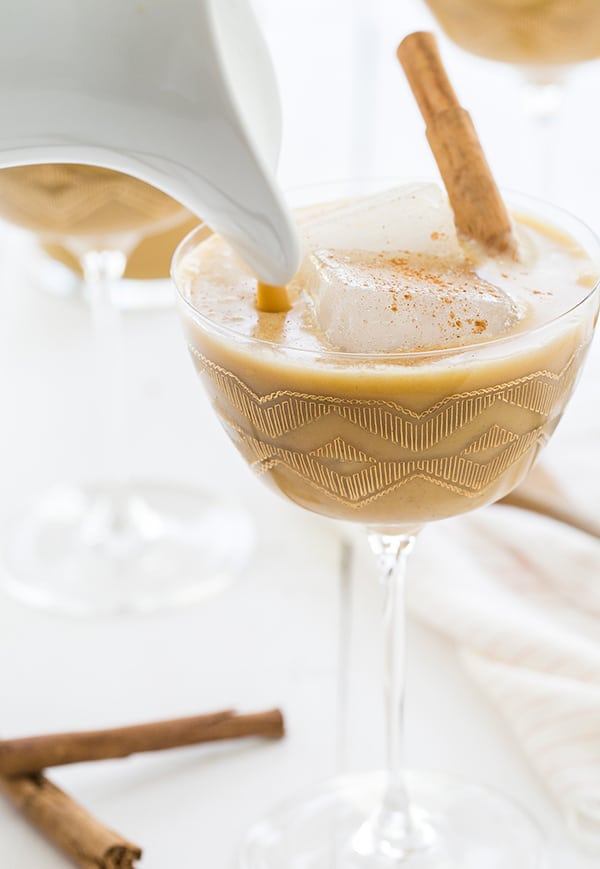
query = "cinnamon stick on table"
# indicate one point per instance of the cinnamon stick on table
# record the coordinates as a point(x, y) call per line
point(479, 211)
point(34, 753)
point(87, 842)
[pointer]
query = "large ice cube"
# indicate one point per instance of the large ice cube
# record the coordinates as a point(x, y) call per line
point(415, 217)
point(368, 302)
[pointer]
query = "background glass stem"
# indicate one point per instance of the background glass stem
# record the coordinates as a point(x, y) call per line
point(102, 269)
point(389, 832)
point(542, 102)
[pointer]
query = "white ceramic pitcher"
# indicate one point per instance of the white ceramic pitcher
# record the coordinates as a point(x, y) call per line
point(179, 93)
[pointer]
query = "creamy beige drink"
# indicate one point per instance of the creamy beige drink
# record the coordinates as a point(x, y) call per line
point(545, 32)
point(411, 379)
point(58, 200)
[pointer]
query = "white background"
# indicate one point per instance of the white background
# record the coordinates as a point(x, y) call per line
point(274, 637)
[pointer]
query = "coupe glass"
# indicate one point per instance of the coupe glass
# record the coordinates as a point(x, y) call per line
point(111, 544)
point(543, 39)
point(392, 442)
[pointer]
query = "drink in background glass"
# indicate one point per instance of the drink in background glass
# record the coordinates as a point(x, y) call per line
point(67, 201)
point(545, 33)
point(412, 379)
point(70, 204)
point(110, 544)
point(543, 39)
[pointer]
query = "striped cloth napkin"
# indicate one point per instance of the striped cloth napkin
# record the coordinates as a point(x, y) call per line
point(520, 596)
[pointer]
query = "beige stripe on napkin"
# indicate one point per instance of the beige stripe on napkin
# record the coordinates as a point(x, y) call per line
point(520, 596)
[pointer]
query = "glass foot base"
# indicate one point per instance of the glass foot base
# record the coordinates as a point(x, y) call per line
point(457, 825)
point(98, 550)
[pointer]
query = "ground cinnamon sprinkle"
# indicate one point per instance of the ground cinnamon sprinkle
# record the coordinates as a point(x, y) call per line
point(406, 276)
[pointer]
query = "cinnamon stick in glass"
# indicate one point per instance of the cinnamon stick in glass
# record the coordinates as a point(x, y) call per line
point(34, 753)
point(87, 842)
point(479, 211)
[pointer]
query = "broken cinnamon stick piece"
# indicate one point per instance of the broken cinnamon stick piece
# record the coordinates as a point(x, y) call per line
point(479, 211)
point(34, 753)
point(87, 842)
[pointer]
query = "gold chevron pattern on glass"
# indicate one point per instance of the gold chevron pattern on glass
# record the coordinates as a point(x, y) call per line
point(457, 443)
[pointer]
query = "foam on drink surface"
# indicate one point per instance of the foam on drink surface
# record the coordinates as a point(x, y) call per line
point(387, 274)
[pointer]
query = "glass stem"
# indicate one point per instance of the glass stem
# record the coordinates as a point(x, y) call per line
point(101, 270)
point(389, 831)
point(542, 103)
point(393, 559)
point(344, 650)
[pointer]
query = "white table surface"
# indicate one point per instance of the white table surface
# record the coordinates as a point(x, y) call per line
point(274, 637)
